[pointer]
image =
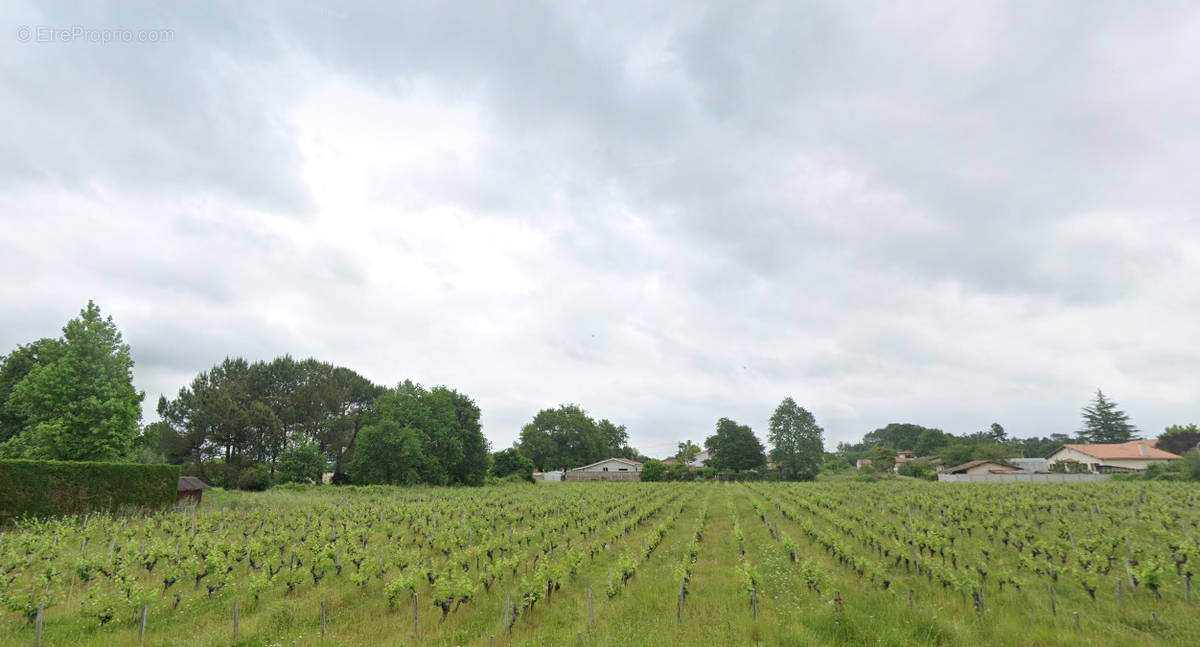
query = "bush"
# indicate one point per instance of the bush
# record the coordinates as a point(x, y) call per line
point(654, 470)
point(919, 470)
point(254, 478)
point(300, 463)
point(1191, 465)
point(515, 478)
point(836, 465)
point(679, 472)
point(510, 461)
point(216, 473)
point(45, 488)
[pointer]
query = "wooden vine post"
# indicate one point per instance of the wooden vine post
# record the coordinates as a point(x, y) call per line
point(416, 616)
point(682, 590)
point(235, 622)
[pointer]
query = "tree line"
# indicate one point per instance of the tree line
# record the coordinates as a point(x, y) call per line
point(250, 424)
point(797, 449)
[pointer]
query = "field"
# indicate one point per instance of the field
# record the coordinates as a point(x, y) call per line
point(894, 563)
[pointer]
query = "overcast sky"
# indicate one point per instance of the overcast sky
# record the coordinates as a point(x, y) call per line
point(949, 214)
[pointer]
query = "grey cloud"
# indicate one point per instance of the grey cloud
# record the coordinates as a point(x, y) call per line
point(948, 215)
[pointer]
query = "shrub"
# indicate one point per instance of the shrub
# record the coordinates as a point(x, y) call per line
point(44, 488)
point(836, 465)
point(511, 461)
point(1191, 465)
point(300, 464)
point(920, 470)
point(254, 478)
point(654, 471)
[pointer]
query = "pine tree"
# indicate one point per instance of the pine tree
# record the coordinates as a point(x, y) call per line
point(1103, 422)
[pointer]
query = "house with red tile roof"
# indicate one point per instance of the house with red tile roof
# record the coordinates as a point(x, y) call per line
point(1133, 456)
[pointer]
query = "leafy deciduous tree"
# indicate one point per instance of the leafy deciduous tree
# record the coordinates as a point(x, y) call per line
point(80, 404)
point(1179, 439)
point(734, 447)
point(687, 451)
point(797, 441)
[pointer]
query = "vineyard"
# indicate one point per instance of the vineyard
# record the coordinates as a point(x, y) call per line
point(619, 564)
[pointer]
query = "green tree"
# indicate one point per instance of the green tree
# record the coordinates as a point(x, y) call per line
point(895, 435)
point(997, 433)
point(242, 412)
point(562, 438)
point(14, 367)
point(301, 463)
point(616, 439)
point(1103, 422)
point(1179, 439)
point(883, 458)
point(510, 461)
point(446, 425)
point(81, 403)
point(797, 441)
point(653, 470)
point(686, 452)
point(735, 448)
point(389, 453)
point(930, 442)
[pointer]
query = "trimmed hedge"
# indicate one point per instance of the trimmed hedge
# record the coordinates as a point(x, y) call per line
point(49, 488)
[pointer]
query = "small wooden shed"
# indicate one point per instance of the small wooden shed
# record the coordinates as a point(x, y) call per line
point(191, 489)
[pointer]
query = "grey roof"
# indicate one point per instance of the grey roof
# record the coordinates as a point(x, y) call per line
point(191, 484)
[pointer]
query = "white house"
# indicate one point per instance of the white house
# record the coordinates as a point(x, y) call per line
point(611, 465)
point(1133, 456)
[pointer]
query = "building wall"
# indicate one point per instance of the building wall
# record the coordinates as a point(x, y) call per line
point(1127, 463)
point(613, 466)
point(602, 476)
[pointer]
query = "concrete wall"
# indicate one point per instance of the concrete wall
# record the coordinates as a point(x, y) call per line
point(603, 476)
point(1022, 478)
